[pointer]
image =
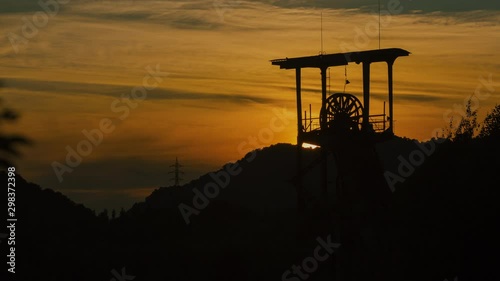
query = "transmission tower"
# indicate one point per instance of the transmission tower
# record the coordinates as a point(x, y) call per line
point(176, 171)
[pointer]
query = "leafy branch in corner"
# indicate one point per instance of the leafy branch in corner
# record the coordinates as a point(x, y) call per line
point(9, 142)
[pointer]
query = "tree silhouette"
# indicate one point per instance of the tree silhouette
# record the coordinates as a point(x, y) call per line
point(104, 215)
point(491, 124)
point(9, 143)
point(467, 127)
point(122, 213)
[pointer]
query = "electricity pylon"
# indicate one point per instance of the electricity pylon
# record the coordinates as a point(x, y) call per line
point(176, 171)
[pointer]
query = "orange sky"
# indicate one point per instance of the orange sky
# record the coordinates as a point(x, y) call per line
point(221, 88)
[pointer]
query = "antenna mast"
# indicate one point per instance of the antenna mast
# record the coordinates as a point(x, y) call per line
point(321, 33)
point(176, 171)
point(379, 29)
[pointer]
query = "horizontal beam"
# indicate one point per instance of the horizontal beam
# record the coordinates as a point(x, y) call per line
point(339, 59)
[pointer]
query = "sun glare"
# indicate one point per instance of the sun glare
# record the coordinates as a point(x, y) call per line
point(308, 145)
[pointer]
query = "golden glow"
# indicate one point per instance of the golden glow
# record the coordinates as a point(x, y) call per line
point(307, 145)
point(221, 89)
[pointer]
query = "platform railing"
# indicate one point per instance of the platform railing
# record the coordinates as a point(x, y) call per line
point(310, 124)
point(379, 123)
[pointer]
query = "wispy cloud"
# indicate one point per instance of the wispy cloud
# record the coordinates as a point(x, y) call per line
point(75, 88)
point(422, 5)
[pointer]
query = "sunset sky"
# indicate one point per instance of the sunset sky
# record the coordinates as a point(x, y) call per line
point(74, 69)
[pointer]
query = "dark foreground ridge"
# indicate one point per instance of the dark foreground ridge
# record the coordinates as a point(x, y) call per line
point(443, 223)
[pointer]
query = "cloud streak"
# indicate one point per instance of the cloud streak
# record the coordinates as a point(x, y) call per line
point(421, 5)
point(74, 88)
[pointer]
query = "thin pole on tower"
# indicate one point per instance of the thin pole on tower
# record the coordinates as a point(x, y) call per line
point(379, 29)
point(321, 32)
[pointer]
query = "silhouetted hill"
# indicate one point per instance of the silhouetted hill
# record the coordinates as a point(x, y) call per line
point(442, 221)
point(266, 182)
point(54, 235)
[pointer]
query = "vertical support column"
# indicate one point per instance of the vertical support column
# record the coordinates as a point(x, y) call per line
point(391, 108)
point(324, 164)
point(324, 174)
point(310, 117)
point(299, 101)
point(383, 124)
point(366, 94)
point(300, 197)
point(323, 95)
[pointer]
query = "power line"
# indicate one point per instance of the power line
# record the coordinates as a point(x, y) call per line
point(176, 171)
